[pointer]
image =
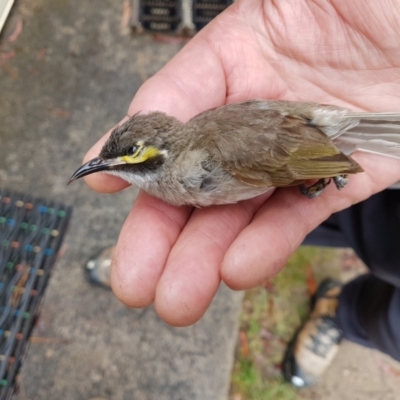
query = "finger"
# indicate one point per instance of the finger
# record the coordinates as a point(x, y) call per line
point(146, 238)
point(264, 246)
point(280, 226)
point(191, 276)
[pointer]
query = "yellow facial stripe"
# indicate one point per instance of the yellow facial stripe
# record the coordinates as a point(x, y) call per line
point(141, 156)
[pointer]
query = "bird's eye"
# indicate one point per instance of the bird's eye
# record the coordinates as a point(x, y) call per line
point(132, 151)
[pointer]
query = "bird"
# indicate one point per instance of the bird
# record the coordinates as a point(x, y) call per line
point(241, 150)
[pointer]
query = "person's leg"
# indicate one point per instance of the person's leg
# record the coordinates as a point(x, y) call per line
point(369, 314)
point(368, 308)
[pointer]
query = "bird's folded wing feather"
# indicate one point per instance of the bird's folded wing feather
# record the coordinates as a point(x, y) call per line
point(266, 148)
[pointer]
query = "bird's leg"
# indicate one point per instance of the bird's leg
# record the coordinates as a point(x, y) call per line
point(318, 187)
point(314, 190)
point(341, 181)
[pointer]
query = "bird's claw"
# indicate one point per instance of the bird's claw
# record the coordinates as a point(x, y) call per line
point(318, 187)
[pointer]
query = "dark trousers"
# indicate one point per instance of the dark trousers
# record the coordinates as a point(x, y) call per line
point(369, 306)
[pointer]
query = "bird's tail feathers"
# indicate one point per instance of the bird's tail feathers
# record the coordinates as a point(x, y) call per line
point(377, 133)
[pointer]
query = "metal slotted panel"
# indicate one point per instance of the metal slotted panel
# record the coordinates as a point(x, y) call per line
point(205, 10)
point(31, 234)
point(175, 16)
point(160, 15)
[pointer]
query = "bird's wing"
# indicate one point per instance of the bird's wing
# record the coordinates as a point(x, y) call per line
point(266, 148)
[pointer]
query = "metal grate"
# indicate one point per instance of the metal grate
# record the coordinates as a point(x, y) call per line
point(31, 234)
point(159, 15)
point(175, 16)
point(205, 10)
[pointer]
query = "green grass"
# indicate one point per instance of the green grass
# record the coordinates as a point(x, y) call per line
point(270, 316)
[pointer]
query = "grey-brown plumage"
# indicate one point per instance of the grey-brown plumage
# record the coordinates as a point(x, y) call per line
point(241, 150)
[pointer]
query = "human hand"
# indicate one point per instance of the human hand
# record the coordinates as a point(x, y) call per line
point(338, 52)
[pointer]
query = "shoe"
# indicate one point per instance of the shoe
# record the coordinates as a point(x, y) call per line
point(98, 268)
point(316, 343)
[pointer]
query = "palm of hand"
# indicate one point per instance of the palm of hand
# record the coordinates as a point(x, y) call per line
point(336, 52)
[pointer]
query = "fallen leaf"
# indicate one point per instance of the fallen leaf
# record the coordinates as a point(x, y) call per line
point(244, 344)
point(48, 340)
point(310, 280)
point(170, 39)
point(7, 56)
point(271, 307)
point(19, 288)
point(126, 14)
point(59, 112)
point(9, 70)
point(41, 54)
point(19, 25)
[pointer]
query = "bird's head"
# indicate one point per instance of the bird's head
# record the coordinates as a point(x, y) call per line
point(138, 147)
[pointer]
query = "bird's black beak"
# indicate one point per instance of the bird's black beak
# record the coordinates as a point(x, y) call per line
point(95, 165)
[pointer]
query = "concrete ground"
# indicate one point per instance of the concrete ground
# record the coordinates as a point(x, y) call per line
point(65, 80)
